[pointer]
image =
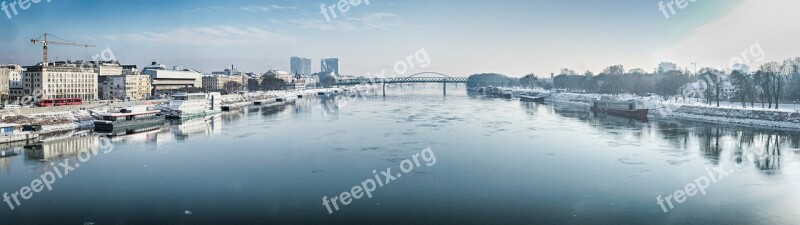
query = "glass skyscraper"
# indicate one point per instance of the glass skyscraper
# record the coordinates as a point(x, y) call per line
point(330, 65)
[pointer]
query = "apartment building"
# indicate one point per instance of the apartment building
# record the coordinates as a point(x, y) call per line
point(61, 80)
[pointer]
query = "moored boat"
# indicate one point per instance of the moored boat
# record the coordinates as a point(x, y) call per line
point(234, 106)
point(128, 122)
point(628, 109)
point(499, 92)
point(186, 106)
point(7, 153)
point(12, 133)
point(530, 98)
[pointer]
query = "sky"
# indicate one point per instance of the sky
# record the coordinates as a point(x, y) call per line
point(512, 37)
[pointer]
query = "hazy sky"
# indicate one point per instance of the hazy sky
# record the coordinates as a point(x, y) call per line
point(514, 37)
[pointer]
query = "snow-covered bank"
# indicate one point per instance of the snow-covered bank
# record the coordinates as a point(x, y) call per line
point(573, 98)
point(749, 117)
point(785, 119)
point(53, 122)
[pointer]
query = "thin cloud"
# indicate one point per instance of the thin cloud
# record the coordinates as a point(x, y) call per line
point(206, 36)
point(250, 8)
point(369, 21)
point(377, 20)
point(266, 8)
point(324, 25)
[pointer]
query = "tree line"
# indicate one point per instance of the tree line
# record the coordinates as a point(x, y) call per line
point(772, 84)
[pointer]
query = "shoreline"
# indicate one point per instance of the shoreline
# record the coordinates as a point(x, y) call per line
point(71, 118)
point(753, 117)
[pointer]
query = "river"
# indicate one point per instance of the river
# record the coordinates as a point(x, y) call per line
point(497, 161)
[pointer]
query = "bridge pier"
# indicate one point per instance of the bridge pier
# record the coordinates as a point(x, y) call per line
point(384, 88)
point(444, 88)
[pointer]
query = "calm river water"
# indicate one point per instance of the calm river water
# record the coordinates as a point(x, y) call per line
point(497, 162)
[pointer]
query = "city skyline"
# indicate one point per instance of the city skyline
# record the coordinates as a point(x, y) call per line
point(399, 112)
point(300, 65)
point(207, 35)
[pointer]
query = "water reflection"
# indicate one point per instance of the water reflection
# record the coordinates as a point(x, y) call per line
point(61, 148)
point(10, 150)
point(718, 144)
point(205, 126)
point(511, 158)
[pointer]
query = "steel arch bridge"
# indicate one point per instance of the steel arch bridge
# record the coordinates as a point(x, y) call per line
point(424, 77)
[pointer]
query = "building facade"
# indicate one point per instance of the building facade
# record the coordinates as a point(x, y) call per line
point(4, 84)
point(283, 75)
point(61, 80)
point(666, 67)
point(167, 81)
point(330, 65)
point(145, 86)
point(15, 82)
point(745, 69)
point(218, 82)
point(126, 87)
point(104, 70)
point(300, 65)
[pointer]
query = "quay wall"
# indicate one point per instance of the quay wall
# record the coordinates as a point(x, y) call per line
point(750, 117)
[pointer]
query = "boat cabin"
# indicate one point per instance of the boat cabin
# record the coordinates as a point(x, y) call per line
point(128, 116)
point(616, 105)
point(31, 128)
point(7, 129)
point(188, 97)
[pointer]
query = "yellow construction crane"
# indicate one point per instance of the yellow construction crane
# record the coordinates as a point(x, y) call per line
point(43, 40)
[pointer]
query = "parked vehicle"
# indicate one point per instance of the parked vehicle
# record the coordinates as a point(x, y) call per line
point(60, 102)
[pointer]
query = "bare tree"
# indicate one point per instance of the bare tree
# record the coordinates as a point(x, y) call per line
point(771, 72)
point(614, 70)
point(742, 82)
point(567, 71)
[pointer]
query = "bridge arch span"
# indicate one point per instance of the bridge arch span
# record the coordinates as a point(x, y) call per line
point(426, 73)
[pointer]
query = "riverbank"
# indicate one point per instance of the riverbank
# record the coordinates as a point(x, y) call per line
point(54, 121)
point(691, 110)
point(67, 118)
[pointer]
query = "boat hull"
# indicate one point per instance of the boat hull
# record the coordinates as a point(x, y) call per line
point(191, 116)
point(107, 126)
point(640, 114)
point(532, 99)
point(132, 130)
point(8, 153)
point(18, 137)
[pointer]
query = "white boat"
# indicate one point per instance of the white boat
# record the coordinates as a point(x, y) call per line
point(185, 106)
point(11, 133)
point(8, 152)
